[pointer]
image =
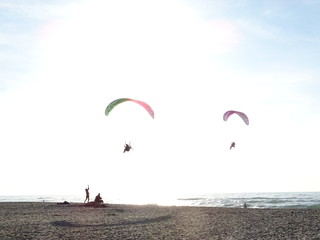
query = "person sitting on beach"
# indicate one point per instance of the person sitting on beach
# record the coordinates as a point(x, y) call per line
point(233, 144)
point(127, 148)
point(98, 199)
point(87, 194)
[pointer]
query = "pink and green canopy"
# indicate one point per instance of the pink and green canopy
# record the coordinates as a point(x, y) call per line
point(121, 100)
point(241, 114)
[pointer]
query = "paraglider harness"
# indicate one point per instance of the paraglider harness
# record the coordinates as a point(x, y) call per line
point(127, 147)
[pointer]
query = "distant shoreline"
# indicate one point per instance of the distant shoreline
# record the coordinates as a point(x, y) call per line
point(278, 200)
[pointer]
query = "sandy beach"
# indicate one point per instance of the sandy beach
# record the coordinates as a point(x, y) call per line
point(74, 221)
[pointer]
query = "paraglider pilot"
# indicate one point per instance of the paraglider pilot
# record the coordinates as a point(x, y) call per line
point(127, 148)
point(233, 144)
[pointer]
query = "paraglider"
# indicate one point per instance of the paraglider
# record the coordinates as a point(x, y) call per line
point(127, 147)
point(241, 114)
point(121, 100)
point(113, 104)
point(244, 117)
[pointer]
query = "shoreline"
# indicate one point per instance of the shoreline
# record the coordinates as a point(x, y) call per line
point(49, 220)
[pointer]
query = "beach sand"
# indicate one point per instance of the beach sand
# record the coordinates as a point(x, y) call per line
point(73, 221)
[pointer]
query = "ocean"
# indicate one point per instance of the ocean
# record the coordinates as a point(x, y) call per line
point(256, 200)
point(228, 200)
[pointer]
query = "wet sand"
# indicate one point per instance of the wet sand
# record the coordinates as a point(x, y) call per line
point(73, 221)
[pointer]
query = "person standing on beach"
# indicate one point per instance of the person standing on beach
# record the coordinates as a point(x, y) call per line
point(87, 194)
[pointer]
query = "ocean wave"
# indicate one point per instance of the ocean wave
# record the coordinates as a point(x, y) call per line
point(257, 200)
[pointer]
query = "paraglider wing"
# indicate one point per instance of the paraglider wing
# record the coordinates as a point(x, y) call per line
point(115, 103)
point(121, 100)
point(241, 114)
point(146, 107)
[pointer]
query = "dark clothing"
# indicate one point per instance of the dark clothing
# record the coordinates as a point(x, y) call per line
point(98, 199)
point(87, 194)
point(127, 148)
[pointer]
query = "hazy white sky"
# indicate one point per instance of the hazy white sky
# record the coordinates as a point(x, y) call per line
point(62, 62)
